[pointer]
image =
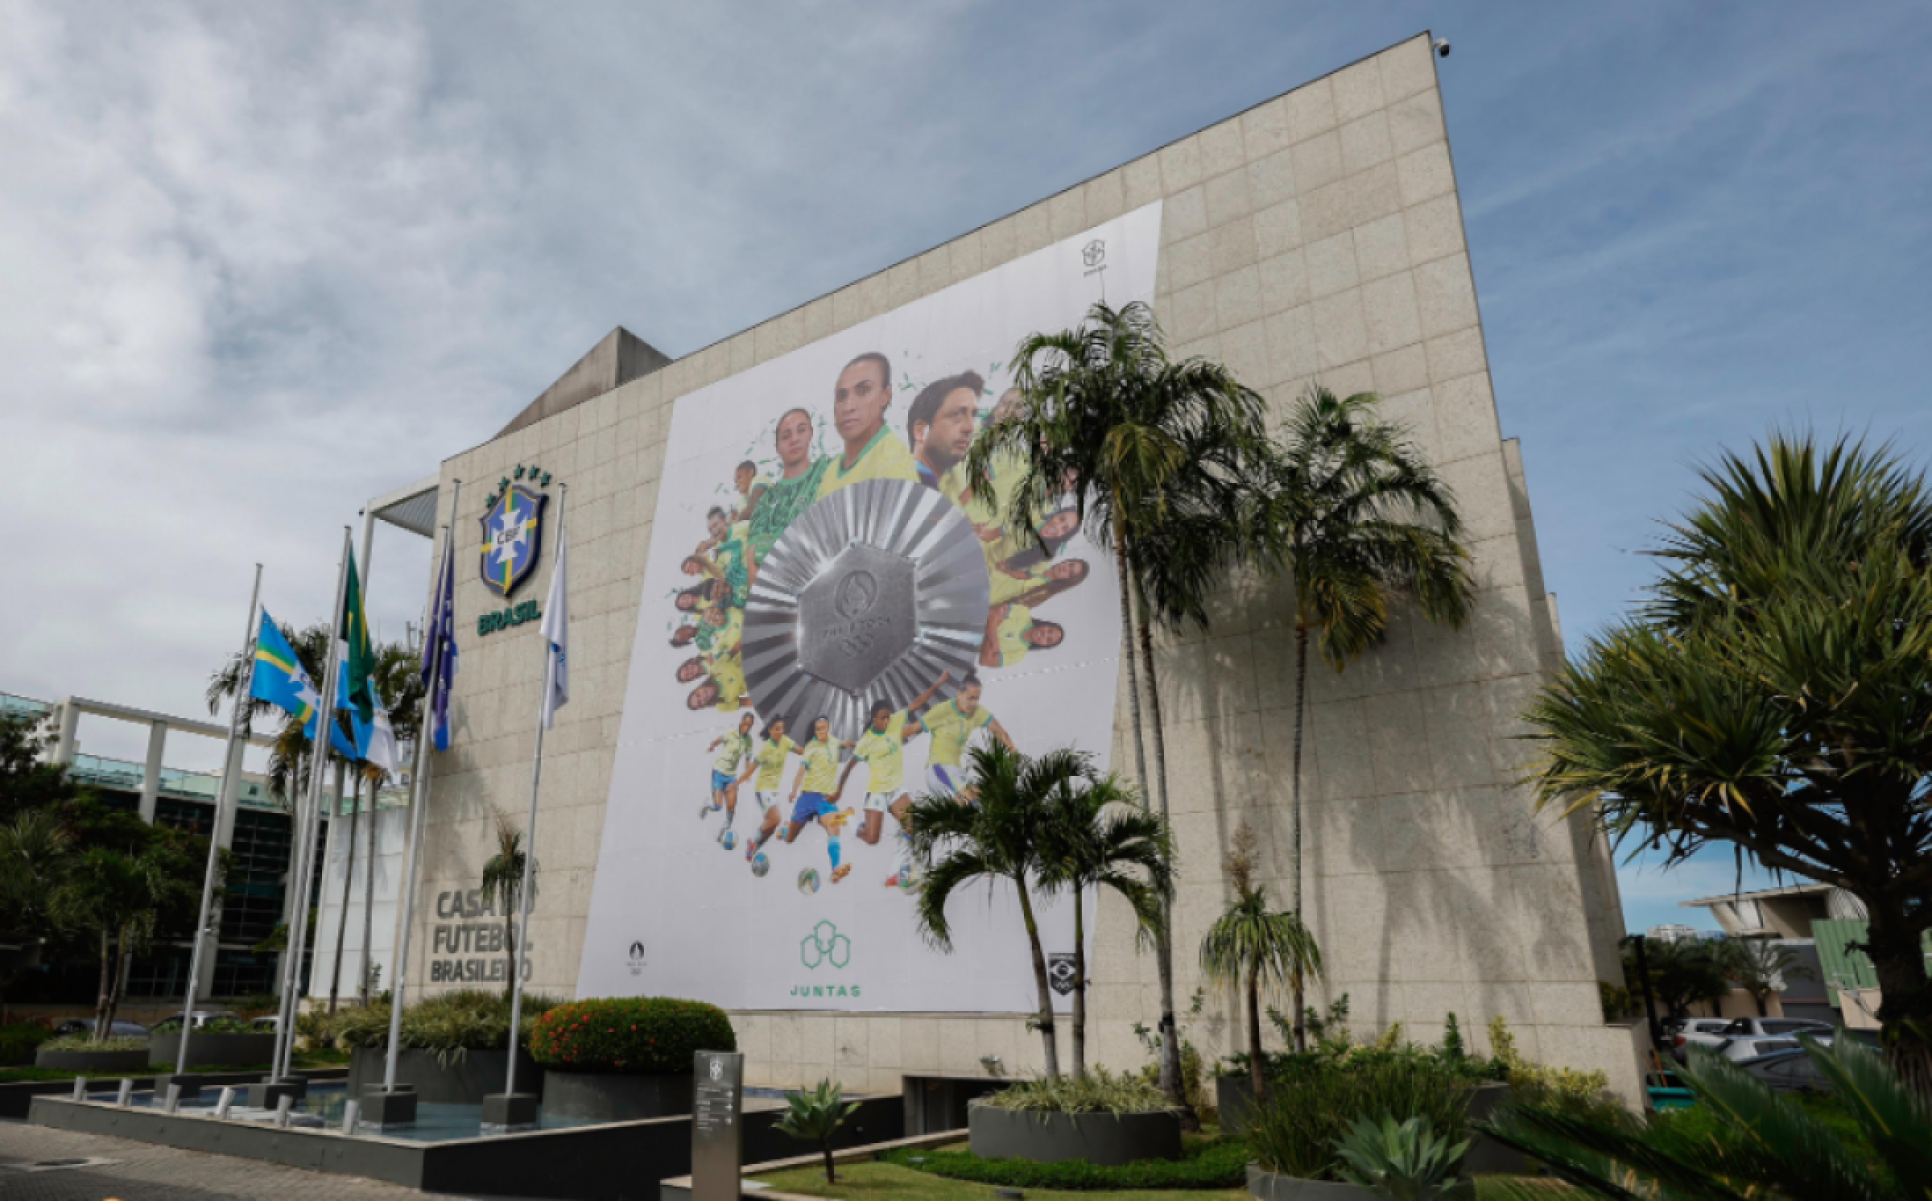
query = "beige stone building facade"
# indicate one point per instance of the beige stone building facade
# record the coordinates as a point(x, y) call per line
point(1317, 237)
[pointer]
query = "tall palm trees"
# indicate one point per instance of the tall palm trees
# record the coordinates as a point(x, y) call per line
point(1047, 825)
point(1140, 441)
point(1354, 516)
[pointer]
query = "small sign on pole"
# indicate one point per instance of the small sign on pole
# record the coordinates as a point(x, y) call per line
point(717, 1125)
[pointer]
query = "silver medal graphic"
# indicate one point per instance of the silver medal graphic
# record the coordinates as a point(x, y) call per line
point(869, 596)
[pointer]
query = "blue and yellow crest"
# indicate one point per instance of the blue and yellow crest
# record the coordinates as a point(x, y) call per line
point(512, 537)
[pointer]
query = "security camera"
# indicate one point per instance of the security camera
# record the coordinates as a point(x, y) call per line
point(1442, 47)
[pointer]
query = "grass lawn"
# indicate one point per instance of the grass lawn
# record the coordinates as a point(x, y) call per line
point(866, 1180)
point(860, 1181)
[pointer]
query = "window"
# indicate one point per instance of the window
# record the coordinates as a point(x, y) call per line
point(1796, 1027)
point(1741, 1026)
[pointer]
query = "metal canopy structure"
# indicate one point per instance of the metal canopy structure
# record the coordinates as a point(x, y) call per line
point(412, 508)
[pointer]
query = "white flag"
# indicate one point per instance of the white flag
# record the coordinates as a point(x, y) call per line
point(382, 750)
point(556, 631)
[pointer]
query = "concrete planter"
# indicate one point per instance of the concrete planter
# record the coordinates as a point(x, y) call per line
point(212, 1050)
point(1269, 1186)
point(1234, 1097)
point(615, 1098)
point(465, 1081)
point(1485, 1154)
point(132, 1062)
point(1100, 1138)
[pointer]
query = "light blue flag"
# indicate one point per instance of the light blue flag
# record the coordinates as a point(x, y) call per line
point(280, 679)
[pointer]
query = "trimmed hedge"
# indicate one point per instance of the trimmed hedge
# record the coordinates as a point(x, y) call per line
point(630, 1035)
point(1204, 1164)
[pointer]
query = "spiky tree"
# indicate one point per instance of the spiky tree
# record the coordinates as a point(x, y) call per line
point(34, 855)
point(1774, 696)
point(1252, 947)
point(1772, 1146)
point(1107, 415)
point(1098, 836)
point(1355, 516)
point(502, 887)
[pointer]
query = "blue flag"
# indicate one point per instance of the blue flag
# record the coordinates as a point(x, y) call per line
point(439, 649)
point(280, 679)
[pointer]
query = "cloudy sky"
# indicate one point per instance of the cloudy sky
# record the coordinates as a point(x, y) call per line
point(261, 262)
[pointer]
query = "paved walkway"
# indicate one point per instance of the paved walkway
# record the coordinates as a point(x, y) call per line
point(146, 1172)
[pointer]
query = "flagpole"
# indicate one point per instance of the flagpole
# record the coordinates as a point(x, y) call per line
point(230, 785)
point(375, 791)
point(318, 771)
point(530, 829)
point(418, 803)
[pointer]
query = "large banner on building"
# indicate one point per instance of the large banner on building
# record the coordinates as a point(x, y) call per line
point(830, 622)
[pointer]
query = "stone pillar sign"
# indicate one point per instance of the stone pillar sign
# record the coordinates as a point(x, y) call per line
point(717, 1125)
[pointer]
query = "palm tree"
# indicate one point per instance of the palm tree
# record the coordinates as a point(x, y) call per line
point(1107, 415)
point(503, 883)
point(1356, 516)
point(1096, 837)
point(1775, 696)
point(1760, 967)
point(1251, 947)
point(1001, 836)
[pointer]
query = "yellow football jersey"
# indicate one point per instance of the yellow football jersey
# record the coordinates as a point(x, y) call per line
point(884, 754)
point(886, 457)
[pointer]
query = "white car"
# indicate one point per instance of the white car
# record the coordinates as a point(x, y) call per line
point(1780, 1028)
point(1707, 1032)
point(1737, 1050)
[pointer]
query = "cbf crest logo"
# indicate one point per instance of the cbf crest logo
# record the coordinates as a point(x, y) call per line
point(512, 536)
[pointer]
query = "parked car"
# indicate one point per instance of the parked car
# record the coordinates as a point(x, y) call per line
point(1781, 1027)
point(116, 1029)
point(1790, 1071)
point(1737, 1050)
point(202, 1018)
point(1694, 1031)
point(271, 1024)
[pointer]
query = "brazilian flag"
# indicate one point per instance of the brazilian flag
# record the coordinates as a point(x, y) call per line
point(361, 662)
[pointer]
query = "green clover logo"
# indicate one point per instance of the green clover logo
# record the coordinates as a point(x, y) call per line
point(825, 945)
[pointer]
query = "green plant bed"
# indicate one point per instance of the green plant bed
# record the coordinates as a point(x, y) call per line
point(446, 1024)
point(896, 1182)
point(1205, 1163)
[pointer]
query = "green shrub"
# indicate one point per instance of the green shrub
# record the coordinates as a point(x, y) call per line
point(85, 1042)
point(1099, 1091)
point(630, 1035)
point(17, 1041)
point(213, 1026)
point(450, 1024)
point(1204, 1164)
point(1568, 1090)
point(1316, 1102)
